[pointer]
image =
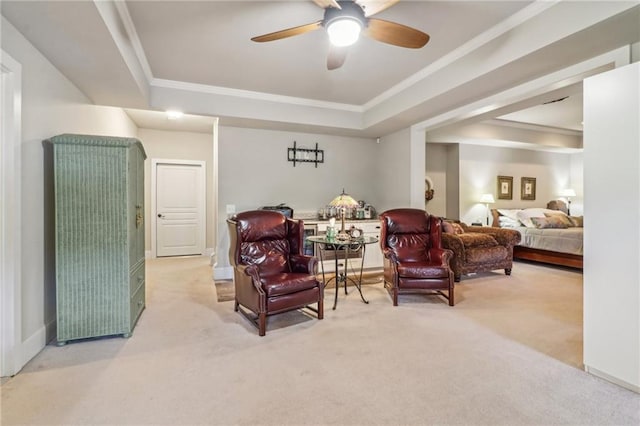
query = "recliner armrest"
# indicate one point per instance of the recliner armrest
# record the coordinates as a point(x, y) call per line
point(303, 263)
point(440, 255)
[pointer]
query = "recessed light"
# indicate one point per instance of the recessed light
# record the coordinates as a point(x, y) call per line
point(174, 115)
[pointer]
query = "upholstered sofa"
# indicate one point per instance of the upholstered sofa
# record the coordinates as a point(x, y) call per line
point(479, 249)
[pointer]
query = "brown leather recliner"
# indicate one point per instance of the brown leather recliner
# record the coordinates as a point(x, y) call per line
point(414, 260)
point(271, 274)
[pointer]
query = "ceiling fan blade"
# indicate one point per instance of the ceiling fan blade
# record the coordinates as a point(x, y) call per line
point(396, 34)
point(336, 57)
point(371, 7)
point(327, 3)
point(288, 32)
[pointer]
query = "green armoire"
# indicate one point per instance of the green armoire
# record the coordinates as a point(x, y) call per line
point(99, 226)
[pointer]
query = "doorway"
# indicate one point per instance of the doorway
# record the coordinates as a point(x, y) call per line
point(178, 225)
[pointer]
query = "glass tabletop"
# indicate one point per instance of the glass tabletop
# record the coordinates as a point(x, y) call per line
point(322, 239)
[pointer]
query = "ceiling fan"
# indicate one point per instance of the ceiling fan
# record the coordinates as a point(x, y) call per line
point(346, 20)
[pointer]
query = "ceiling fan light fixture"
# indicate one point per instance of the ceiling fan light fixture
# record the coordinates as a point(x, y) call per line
point(344, 31)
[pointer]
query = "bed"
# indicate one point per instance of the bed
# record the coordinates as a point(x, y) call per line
point(547, 235)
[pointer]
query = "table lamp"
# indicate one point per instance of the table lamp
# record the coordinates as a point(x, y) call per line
point(568, 193)
point(343, 201)
point(487, 199)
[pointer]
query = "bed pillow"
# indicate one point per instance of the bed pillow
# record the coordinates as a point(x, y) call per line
point(553, 221)
point(577, 221)
point(525, 215)
point(507, 222)
point(510, 213)
point(562, 217)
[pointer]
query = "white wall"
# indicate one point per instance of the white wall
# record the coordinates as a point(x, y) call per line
point(436, 170)
point(393, 171)
point(254, 172)
point(612, 253)
point(480, 166)
point(576, 182)
point(164, 144)
point(51, 105)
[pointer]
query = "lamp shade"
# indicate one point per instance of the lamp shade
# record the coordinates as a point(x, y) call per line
point(568, 192)
point(343, 200)
point(487, 198)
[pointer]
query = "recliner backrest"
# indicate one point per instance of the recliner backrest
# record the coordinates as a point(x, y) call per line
point(410, 233)
point(263, 239)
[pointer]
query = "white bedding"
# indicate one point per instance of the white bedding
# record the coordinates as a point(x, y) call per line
point(569, 240)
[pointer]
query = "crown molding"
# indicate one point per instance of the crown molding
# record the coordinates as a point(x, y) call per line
point(251, 95)
point(534, 127)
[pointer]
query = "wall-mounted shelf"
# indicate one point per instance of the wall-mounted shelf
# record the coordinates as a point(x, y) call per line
point(305, 155)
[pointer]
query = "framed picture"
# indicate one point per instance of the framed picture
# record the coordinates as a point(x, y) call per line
point(528, 188)
point(505, 187)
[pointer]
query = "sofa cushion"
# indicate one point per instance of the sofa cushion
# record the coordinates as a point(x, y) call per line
point(487, 254)
point(457, 228)
point(421, 270)
point(287, 283)
point(447, 228)
point(476, 239)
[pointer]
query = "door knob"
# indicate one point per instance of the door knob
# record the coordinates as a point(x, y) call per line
point(160, 215)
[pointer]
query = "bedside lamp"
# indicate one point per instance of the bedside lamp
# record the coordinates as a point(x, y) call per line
point(568, 193)
point(487, 199)
point(343, 201)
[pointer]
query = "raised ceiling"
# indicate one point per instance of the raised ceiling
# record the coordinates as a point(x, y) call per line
point(197, 56)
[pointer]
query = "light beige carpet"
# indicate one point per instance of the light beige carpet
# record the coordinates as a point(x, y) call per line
point(506, 354)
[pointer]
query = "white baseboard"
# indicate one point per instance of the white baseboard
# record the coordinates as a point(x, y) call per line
point(610, 378)
point(223, 273)
point(209, 252)
point(35, 343)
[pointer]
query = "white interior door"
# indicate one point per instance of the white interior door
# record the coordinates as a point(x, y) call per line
point(180, 208)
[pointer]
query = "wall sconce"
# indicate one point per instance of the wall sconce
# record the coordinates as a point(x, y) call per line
point(487, 199)
point(568, 193)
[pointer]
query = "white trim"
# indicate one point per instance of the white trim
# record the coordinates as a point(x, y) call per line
point(535, 127)
point(127, 22)
point(37, 341)
point(556, 80)
point(112, 17)
point(223, 273)
point(610, 378)
point(213, 260)
point(248, 94)
point(203, 208)
point(11, 359)
point(491, 34)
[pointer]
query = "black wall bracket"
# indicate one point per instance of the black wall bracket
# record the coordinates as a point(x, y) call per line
point(305, 155)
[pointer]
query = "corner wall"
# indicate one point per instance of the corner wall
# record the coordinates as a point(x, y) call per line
point(51, 105)
point(612, 187)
